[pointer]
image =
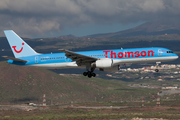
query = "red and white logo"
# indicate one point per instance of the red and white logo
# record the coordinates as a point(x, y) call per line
point(17, 50)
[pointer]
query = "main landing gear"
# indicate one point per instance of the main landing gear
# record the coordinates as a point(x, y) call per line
point(157, 65)
point(90, 73)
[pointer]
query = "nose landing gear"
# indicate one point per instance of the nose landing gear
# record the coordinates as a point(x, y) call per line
point(156, 70)
point(157, 65)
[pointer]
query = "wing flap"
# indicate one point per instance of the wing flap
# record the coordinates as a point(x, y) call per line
point(15, 59)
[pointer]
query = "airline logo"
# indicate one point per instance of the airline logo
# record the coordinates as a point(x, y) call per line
point(129, 54)
point(14, 47)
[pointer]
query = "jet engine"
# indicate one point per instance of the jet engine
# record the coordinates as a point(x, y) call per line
point(104, 63)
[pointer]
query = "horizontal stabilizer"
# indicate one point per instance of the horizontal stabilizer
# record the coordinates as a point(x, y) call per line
point(15, 59)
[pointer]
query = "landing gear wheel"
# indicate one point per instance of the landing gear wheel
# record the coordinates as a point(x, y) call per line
point(85, 73)
point(89, 75)
point(93, 74)
point(88, 72)
point(156, 70)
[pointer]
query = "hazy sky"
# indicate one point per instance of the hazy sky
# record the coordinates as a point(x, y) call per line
point(47, 18)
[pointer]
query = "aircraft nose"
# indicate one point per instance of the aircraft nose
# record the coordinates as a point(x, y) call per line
point(176, 57)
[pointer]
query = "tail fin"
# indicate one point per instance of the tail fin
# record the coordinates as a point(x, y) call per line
point(19, 47)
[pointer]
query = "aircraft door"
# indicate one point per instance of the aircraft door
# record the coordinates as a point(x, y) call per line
point(36, 60)
point(160, 52)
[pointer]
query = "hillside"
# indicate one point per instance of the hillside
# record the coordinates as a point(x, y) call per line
point(27, 84)
point(152, 28)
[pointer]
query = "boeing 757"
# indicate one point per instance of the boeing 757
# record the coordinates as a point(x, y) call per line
point(104, 60)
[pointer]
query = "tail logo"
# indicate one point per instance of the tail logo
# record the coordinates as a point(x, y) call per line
point(14, 47)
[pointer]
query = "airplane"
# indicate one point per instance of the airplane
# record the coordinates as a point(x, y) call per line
point(104, 60)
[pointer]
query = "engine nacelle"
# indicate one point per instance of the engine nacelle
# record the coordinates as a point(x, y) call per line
point(111, 69)
point(104, 63)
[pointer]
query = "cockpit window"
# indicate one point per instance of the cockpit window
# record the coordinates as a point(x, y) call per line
point(169, 51)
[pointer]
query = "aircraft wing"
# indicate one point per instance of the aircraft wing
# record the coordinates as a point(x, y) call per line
point(79, 58)
point(15, 59)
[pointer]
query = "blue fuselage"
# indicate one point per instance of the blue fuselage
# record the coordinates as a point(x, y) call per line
point(120, 56)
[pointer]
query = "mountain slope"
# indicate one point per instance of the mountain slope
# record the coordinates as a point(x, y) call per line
point(156, 27)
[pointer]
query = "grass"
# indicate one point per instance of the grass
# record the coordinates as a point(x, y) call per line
point(73, 113)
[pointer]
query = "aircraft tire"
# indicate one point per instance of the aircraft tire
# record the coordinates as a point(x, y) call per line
point(85, 73)
point(94, 74)
point(89, 75)
point(156, 70)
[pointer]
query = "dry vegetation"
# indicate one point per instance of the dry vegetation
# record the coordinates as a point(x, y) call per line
point(79, 113)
